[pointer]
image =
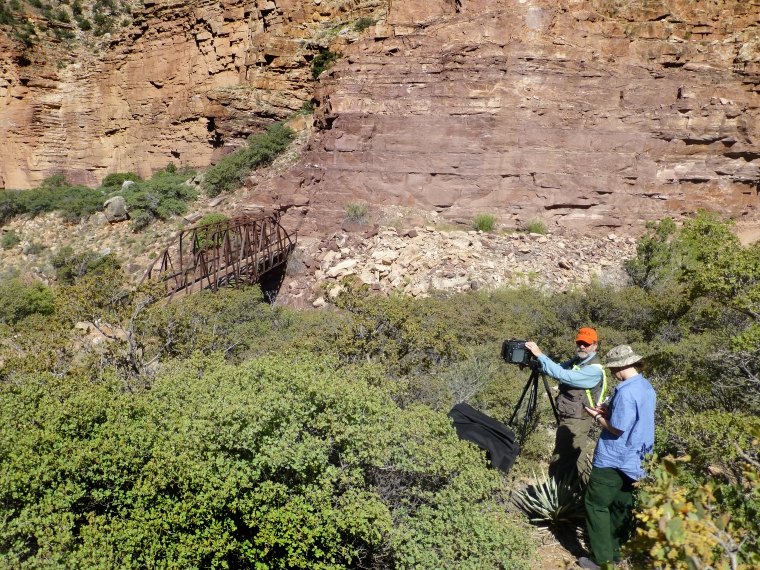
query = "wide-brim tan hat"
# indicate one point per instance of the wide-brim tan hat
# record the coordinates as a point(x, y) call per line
point(621, 356)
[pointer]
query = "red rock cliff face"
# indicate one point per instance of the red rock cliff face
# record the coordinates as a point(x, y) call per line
point(586, 114)
point(186, 82)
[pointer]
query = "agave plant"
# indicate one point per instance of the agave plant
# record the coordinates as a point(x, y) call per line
point(551, 501)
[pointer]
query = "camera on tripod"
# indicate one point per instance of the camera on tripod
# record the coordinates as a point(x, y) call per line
point(514, 352)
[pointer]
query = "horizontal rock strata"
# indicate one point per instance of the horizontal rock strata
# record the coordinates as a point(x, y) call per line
point(186, 83)
point(598, 114)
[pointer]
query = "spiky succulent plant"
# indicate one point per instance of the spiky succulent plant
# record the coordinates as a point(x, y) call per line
point(550, 501)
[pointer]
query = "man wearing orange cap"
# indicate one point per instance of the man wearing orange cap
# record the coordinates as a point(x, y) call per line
point(582, 382)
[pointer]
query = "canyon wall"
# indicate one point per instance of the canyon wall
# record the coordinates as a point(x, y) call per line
point(588, 114)
point(185, 83)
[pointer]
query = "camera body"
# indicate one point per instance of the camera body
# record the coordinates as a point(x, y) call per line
point(513, 351)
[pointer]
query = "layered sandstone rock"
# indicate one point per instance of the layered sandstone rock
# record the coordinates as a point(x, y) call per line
point(187, 82)
point(584, 113)
point(600, 113)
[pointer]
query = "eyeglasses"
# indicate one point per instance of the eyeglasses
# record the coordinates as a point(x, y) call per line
point(582, 344)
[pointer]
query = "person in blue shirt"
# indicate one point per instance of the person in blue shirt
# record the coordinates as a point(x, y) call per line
point(627, 437)
point(582, 381)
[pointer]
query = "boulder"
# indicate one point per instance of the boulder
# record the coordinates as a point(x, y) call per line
point(115, 209)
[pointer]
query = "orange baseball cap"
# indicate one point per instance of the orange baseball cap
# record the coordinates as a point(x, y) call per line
point(587, 335)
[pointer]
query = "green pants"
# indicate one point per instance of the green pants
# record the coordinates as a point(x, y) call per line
point(571, 449)
point(609, 497)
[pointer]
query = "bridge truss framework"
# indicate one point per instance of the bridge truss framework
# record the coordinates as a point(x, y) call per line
point(239, 251)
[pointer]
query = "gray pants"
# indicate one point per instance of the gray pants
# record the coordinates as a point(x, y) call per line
point(572, 449)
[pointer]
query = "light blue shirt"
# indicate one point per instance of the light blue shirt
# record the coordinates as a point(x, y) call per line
point(586, 377)
point(631, 412)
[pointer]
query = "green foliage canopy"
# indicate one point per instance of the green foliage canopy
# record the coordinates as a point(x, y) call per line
point(272, 464)
point(18, 300)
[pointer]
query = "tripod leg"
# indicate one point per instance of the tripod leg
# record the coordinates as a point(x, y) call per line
point(520, 401)
point(530, 407)
point(551, 399)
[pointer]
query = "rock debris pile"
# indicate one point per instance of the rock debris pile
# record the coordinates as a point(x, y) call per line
point(422, 260)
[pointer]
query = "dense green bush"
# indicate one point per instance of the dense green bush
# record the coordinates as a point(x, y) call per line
point(10, 239)
point(230, 321)
point(396, 331)
point(10, 205)
point(363, 23)
point(535, 226)
point(164, 195)
point(484, 222)
point(322, 62)
point(210, 229)
point(72, 201)
point(18, 300)
point(260, 150)
point(7, 13)
point(707, 288)
point(116, 179)
point(69, 265)
point(274, 464)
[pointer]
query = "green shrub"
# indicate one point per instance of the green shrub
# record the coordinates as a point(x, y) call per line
point(405, 336)
point(7, 14)
point(228, 321)
point(71, 201)
point(707, 291)
point(18, 301)
point(272, 464)
point(116, 179)
point(70, 266)
point(61, 15)
point(212, 218)
point(356, 212)
point(322, 62)
point(9, 240)
point(307, 108)
point(84, 24)
point(35, 248)
point(103, 24)
point(261, 150)
point(205, 236)
point(164, 195)
point(10, 205)
point(685, 525)
point(26, 34)
point(54, 195)
point(535, 227)
point(55, 181)
point(363, 23)
point(484, 222)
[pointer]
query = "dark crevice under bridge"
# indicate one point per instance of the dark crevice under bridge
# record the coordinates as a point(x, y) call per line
point(240, 251)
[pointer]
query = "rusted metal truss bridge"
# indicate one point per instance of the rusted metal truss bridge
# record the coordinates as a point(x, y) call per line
point(236, 252)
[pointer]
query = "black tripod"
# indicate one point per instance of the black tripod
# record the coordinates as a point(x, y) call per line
point(531, 390)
